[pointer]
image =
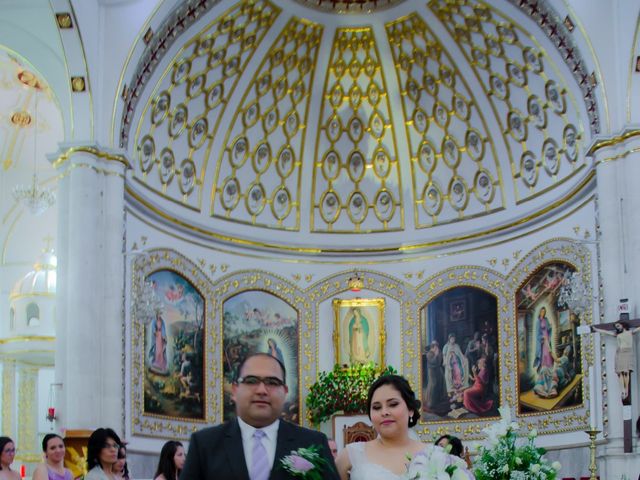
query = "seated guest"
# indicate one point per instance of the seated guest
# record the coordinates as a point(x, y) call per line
point(53, 466)
point(171, 461)
point(102, 454)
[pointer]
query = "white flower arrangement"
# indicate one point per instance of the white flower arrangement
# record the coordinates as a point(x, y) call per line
point(434, 463)
point(502, 459)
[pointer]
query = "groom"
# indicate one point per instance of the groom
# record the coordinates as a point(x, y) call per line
point(252, 445)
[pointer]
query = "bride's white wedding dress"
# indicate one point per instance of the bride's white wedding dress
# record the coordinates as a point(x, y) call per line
point(363, 469)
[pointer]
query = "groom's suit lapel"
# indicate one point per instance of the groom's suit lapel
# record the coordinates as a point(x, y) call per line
point(235, 451)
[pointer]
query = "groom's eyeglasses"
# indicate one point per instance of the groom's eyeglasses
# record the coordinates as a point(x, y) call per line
point(253, 381)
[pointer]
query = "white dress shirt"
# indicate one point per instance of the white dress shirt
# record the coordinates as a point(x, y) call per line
point(269, 441)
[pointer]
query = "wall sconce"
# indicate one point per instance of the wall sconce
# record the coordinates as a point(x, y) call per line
point(54, 389)
point(355, 282)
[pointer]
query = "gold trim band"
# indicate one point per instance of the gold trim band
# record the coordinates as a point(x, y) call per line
point(27, 338)
point(373, 250)
point(613, 141)
point(113, 157)
point(619, 156)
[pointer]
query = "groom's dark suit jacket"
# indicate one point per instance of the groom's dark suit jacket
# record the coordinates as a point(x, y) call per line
point(216, 453)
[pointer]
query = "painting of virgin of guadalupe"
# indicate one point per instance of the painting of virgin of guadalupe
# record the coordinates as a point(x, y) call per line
point(460, 355)
point(359, 330)
point(257, 321)
point(174, 358)
point(549, 350)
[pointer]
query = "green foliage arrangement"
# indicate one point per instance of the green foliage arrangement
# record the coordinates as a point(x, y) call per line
point(502, 459)
point(342, 390)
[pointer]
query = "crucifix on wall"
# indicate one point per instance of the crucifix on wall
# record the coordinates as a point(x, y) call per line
point(625, 359)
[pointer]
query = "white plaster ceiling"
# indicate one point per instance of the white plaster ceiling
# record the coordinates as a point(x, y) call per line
point(22, 152)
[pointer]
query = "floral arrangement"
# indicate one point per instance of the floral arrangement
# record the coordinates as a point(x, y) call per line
point(342, 390)
point(305, 463)
point(434, 463)
point(502, 459)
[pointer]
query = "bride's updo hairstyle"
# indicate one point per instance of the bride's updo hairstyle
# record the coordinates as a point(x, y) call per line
point(402, 385)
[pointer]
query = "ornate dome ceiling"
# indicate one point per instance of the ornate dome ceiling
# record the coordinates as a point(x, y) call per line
point(278, 124)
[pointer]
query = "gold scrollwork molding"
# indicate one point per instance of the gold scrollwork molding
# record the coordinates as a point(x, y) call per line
point(610, 142)
point(95, 151)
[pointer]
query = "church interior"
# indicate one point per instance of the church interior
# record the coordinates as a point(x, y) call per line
point(438, 186)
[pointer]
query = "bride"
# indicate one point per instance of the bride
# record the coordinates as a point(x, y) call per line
point(393, 409)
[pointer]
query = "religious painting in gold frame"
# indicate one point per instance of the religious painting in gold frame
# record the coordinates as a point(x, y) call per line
point(550, 375)
point(259, 321)
point(359, 333)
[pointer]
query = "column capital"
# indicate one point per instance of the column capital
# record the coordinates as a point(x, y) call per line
point(68, 150)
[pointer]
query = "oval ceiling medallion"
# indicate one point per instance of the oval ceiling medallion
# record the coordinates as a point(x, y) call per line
point(357, 207)
point(329, 206)
point(261, 157)
point(255, 200)
point(187, 176)
point(331, 165)
point(167, 165)
point(281, 203)
point(384, 205)
point(230, 193)
point(286, 161)
point(356, 166)
point(528, 169)
point(432, 199)
point(426, 157)
point(146, 153)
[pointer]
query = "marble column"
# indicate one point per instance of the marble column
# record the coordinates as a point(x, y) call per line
point(89, 353)
point(618, 173)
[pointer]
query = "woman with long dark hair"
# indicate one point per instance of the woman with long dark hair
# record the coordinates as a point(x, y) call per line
point(53, 466)
point(171, 461)
point(7, 454)
point(102, 454)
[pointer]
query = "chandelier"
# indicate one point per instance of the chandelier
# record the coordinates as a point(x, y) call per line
point(34, 198)
point(575, 293)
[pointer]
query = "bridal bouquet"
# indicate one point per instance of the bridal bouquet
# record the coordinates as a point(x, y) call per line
point(434, 463)
point(305, 463)
point(502, 459)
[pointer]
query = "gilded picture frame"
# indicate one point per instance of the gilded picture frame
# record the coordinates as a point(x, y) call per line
point(259, 321)
point(359, 330)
